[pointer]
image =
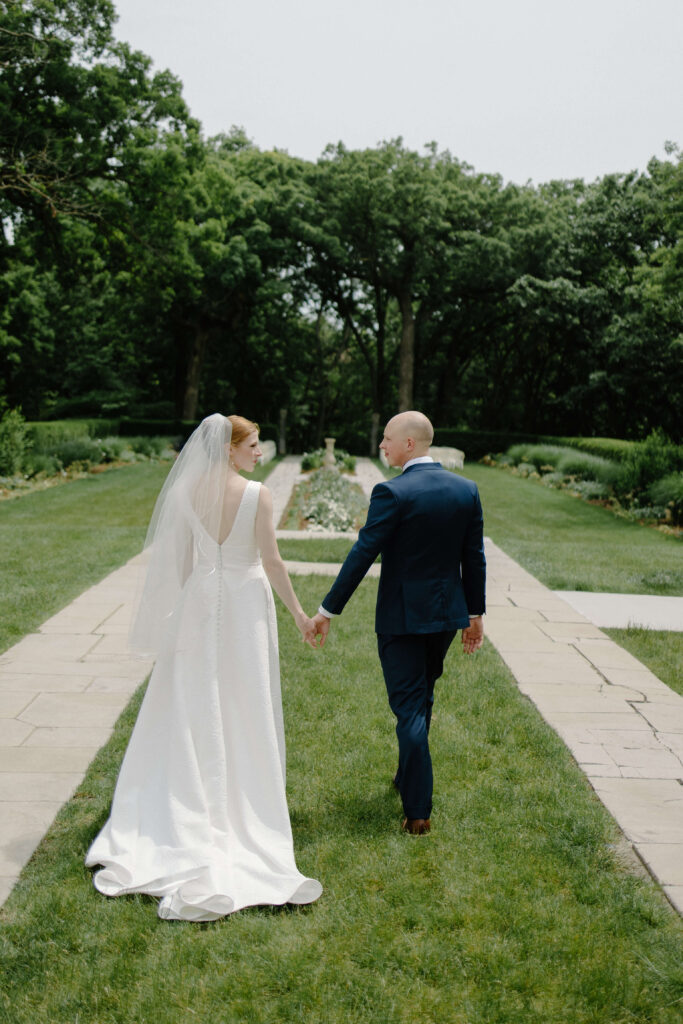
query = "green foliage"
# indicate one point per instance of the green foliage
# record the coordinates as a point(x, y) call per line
point(588, 467)
point(565, 461)
point(157, 428)
point(112, 448)
point(46, 435)
point(15, 442)
point(669, 492)
point(641, 473)
point(539, 455)
point(648, 461)
point(148, 446)
point(39, 464)
point(591, 489)
point(314, 460)
point(608, 447)
point(79, 449)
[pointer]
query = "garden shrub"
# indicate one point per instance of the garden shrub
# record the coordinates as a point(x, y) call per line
point(587, 467)
point(668, 492)
point(14, 442)
point(538, 454)
point(552, 479)
point(79, 449)
point(158, 428)
point(38, 462)
point(148, 446)
point(648, 461)
point(591, 489)
point(314, 460)
point(112, 448)
point(608, 447)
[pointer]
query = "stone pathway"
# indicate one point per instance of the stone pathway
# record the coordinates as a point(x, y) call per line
point(62, 689)
point(623, 726)
point(281, 480)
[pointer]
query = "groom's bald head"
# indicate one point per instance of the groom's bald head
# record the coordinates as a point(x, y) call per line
point(406, 436)
point(413, 425)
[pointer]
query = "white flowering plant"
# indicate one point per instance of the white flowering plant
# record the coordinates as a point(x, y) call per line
point(327, 501)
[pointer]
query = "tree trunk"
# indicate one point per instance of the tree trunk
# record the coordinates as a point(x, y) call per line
point(406, 367)
point(282, 433)
point(193, 374)
point(374, 434)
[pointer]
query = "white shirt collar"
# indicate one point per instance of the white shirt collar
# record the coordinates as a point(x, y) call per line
point(414, 462)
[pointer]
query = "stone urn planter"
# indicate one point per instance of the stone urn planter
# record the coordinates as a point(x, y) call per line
point(329, 460)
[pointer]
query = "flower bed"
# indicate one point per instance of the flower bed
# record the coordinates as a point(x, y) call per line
point(326, 501)
point(646, 486)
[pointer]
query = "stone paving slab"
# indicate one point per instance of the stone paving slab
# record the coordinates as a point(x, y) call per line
point(61, 690)
point(619, 611)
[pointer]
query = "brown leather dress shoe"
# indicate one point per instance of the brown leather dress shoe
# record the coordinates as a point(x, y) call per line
point(416, 826)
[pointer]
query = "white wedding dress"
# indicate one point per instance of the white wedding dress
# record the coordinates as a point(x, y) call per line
point(199, 815)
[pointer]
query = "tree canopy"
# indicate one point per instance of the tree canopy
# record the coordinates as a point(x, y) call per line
point(148, 270)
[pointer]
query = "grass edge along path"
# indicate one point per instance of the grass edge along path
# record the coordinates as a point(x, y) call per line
point(568, 544)
point(517, 909)
point(660, 650)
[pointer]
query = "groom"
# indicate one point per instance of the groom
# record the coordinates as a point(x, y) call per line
point(427, 525)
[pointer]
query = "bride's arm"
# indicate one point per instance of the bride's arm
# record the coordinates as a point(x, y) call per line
point(274, 566)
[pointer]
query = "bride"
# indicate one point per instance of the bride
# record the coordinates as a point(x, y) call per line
point(199, 816)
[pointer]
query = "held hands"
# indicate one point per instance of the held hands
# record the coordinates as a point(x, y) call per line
point(321, 627)
point(313, 631)
point(473, 636)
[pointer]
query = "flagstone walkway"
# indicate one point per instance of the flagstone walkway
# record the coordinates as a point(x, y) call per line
point(62, 689)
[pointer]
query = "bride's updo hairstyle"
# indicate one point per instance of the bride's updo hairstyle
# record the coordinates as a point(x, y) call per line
point(241, 429)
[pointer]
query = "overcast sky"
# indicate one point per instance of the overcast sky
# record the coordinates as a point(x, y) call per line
point(530, 89)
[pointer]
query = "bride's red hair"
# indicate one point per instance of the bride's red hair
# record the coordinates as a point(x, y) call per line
point(241, 429)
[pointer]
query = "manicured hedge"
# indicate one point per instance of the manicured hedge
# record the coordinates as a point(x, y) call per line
point(607, 447)
point(130, 427)
point(46, 435)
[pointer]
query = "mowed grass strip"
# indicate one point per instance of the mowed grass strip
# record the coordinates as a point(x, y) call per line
point(56, 543)
point(517, 908)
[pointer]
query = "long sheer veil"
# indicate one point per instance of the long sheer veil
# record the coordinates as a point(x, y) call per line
point(193, 492)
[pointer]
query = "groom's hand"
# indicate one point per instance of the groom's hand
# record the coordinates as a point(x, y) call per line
point(322, 627)
point(473, 636)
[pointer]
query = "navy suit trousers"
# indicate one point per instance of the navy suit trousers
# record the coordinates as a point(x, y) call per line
point(411, 664)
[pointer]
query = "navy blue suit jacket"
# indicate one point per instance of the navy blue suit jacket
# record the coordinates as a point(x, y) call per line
point(428, 526)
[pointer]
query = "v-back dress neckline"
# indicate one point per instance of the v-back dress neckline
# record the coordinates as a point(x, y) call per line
point(221, 543)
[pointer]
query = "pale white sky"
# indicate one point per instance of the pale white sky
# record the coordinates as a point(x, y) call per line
point(530, 89)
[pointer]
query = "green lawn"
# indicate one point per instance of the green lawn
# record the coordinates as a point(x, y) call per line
point(315, 550)
point(517, 909)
